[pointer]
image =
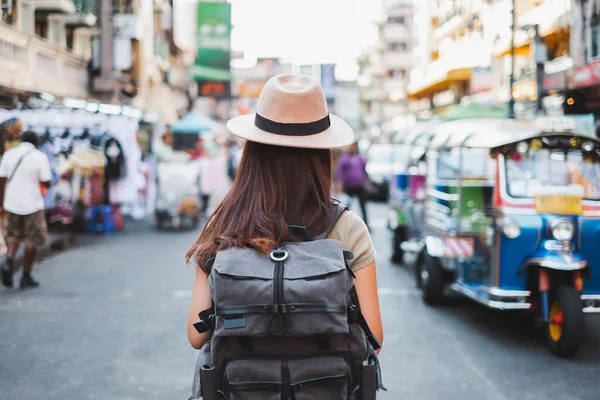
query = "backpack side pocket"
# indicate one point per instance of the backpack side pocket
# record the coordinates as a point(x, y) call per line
point(209, 376)
point(369, 381)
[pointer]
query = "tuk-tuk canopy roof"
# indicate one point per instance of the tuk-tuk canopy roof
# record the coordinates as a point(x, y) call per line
point(484, 133)
point(556, 140)
point(194, 122)
point(411, 135)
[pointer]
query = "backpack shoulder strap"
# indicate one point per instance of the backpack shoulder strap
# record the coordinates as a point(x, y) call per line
point(12, 175)
point(338, 210)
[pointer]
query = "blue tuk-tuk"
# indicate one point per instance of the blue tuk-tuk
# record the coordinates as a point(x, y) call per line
point(512, 221)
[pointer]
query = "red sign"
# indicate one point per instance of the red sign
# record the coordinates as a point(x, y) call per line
point(556, 81)
point(585, 75)
point(214, 89)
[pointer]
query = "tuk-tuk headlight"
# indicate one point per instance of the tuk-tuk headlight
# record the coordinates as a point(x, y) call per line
point(510, 228)
point(563, 229)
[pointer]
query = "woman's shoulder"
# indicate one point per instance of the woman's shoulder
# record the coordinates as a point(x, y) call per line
point(349, 226)
point(351, 230)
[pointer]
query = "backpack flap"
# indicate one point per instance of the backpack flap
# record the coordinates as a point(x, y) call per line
point(301, 290)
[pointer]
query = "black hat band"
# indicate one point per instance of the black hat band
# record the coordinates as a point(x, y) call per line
point(302, 129)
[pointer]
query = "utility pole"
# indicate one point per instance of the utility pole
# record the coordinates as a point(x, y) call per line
point(511, 101)
point(583, 30)
point(540, 55)
point(106, 81)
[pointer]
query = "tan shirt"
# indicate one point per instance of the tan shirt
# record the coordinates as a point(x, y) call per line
point(354, 235)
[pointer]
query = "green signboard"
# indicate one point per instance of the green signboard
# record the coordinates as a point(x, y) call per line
point(213, 41)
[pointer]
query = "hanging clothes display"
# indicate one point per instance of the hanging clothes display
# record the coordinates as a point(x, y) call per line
point(95, 158)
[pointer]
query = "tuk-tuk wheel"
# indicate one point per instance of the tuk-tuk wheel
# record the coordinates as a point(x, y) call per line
point(397, 256)
point(160, 225)
point(564, 332)
point(195, 223)
point(418, 269)
point(432, 279)
point(400, 236)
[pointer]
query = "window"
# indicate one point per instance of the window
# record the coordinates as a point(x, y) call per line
point(398, 46)
point(397, 20)
point(70, 33)
point(544, 172)
point(396, 73)
point(41, 28)
point(9, 11)
point(476, 164)
point(595, 34)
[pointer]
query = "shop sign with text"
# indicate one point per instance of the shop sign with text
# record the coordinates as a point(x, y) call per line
point(212, 66)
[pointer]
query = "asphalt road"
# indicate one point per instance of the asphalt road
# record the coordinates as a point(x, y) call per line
point(109, 323)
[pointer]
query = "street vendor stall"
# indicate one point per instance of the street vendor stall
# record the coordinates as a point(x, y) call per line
point(189, 128)
point(179, 185)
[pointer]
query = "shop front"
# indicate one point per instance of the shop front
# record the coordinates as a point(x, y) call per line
point(582, 96)
point(440, 91)
point(96, 157)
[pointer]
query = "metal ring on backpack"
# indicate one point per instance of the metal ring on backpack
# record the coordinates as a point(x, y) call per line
point(279, 259)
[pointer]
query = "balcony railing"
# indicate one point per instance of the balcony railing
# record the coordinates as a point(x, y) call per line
point(33, 64)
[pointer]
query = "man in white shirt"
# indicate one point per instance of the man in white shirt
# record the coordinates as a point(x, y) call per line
point(24, 170)
point(164, 148)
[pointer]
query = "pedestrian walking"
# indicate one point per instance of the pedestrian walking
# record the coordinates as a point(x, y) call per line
point(24, 174)
point(164, 148)
point(352, 177)
point(212, 172)
point(270, 294)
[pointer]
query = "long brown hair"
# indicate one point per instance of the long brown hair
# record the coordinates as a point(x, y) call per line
point(275, 186)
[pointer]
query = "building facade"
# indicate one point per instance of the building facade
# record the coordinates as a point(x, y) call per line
point(46, 45)
point(463, 52)
point(385, 70)
point(111, 51)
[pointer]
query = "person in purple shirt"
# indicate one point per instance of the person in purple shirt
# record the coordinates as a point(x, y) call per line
point(352, 177)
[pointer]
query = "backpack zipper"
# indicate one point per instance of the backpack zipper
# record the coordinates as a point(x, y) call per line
point(278, 280)
point(278, 284)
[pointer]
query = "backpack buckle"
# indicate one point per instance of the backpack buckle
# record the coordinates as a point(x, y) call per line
point(352, 313)
point(279, 255)
point(206, 322)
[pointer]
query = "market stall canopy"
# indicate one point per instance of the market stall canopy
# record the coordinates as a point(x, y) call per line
point(194, 122)
point(473, 110)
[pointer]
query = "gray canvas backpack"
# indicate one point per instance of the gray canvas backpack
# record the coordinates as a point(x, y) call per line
point(286, 325)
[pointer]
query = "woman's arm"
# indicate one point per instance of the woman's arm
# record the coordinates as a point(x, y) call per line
point(200, 301)
point(366, 287)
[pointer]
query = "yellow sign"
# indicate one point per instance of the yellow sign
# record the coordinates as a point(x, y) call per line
point(559, 204)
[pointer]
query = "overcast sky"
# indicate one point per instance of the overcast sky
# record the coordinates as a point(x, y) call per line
point(301, 31)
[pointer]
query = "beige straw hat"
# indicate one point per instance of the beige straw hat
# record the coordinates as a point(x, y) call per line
point(292, 112)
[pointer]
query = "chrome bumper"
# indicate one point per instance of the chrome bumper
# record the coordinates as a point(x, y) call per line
point(591, 303)
point(494, 297)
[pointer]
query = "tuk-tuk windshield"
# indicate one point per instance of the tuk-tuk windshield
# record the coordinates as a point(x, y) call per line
point(396, 157)
point(546, 171)
point(476, 164)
